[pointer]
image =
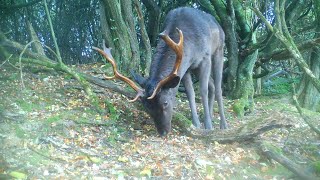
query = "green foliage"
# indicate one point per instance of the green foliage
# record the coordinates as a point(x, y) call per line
point(316, 167)
point(279, 85)
point(114, 114)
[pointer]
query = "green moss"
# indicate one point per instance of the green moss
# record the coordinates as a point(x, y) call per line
point(179, 120)
point(239, 107)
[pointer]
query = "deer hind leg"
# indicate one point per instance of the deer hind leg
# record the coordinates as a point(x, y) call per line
point(187, 82)
point(211, 95)
point(217, 69)
point(204, 76)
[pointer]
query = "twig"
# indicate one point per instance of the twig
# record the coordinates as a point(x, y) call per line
point(6, 60)
point(52, 32)
point(20, 63)
point(304, 117)
point(20, 57)
point(51, 158)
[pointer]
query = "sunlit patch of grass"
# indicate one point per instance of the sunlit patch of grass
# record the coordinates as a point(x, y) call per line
point(27, 106)
point(53, 119)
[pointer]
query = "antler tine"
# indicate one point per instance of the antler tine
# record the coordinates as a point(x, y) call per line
point(106, 53)
point(178, 49)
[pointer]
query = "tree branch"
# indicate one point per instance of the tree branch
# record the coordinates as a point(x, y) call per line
point(247, 132)
point(282, 54)
point(269, 151)
point(17, 6)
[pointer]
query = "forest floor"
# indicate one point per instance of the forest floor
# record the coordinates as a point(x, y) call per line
point(49, 130)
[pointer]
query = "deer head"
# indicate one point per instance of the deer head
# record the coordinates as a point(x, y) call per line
point(156, 94)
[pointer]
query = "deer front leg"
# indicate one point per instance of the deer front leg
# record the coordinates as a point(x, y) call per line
point(187, 82)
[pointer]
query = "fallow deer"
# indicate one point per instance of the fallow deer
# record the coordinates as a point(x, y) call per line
point(199, 51)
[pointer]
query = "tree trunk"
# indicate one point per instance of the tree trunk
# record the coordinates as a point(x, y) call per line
point(118, 22)
point(244, 91)
point(258, 86)
point(145, 61)
point(227, 17)
point(309, 96)
point(154, 14)
point(37, 47)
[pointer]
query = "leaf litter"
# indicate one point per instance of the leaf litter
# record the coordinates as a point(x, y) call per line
point(49, 131)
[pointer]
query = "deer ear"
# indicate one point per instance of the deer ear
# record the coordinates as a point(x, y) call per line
point(173, 83)
point(138, 78)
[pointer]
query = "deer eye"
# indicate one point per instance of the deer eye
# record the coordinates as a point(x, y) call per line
point(165, 104)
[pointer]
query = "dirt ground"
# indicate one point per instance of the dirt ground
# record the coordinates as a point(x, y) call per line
point(49, 130)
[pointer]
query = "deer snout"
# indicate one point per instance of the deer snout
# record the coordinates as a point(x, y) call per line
point(163, 132)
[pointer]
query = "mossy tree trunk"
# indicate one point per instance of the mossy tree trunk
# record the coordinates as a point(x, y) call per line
point(309, 96)
point(244, 91)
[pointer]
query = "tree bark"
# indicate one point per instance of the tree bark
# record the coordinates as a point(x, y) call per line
point(244, 91)
point(118, 19)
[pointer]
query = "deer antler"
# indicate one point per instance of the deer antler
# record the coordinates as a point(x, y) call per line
point(106, 53)
point(178, 49)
